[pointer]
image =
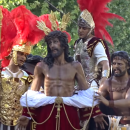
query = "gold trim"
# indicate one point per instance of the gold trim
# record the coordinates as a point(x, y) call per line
point(31, 113)
point(33, 126)
point(97, 111)
point(101, 57)
point(9, 72)
point(15, 57)
point(23, 48)
point(86, 115)
point(89, 49)
point(53, 20)
point(86, 15)
point(92, 47)
point(65, 21)
point(42, 26)
point(52, 17)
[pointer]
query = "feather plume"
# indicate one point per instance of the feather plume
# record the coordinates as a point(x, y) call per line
point(25, 22)
point(8, 33)
point(101, 15)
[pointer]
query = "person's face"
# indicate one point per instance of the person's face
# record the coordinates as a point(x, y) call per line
point(21, 57)
point(55, 46)
point(119, 67)
point(83, 32)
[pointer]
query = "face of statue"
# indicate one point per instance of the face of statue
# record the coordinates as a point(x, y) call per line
point(119, 67)
point(83, 29)
point(55, 46)
point(21, 57)
point(83, 32)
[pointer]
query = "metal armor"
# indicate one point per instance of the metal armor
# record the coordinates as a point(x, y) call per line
point(12, 90)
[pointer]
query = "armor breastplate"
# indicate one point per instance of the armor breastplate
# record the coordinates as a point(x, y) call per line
point(81, 49)
point(12, 90)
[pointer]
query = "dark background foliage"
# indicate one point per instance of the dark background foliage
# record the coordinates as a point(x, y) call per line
point(120, 32)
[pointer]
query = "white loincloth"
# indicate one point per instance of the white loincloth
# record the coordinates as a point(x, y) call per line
point(94, 85)
point(35, 99)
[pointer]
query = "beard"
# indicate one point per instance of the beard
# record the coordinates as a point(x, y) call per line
point(122, 73)
point(59, 52)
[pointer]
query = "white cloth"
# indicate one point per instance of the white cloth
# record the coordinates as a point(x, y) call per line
point(35, 99)
point(99, 53)
point(94, 86)
point(6, 73)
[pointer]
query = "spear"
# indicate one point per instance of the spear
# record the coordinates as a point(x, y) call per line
point(57, 9)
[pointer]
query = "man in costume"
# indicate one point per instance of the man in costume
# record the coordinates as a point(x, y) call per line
point(57, 108)
point(90, 49)
point(118, 87)
point(17, 36)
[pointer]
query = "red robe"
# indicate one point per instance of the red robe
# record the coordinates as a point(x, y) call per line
point(40, 114)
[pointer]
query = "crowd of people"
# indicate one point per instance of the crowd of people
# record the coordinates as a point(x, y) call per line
point(59, 91)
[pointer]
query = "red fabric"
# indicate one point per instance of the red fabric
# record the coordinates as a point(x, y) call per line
point(25, 22)
point(101, 16)
point(8, 33)
point(85, 112)
point(43, 112)
point(25, 112)
point(96, 111)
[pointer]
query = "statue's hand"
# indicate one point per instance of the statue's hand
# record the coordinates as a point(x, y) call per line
point(100, 121)
point(101, 99)
point(22, 122)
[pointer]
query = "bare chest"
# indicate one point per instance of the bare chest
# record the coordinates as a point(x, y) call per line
point(119, 91)
point(119, 95)
point(65, 73)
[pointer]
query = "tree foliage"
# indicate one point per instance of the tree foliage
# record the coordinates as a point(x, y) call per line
point(120, 32)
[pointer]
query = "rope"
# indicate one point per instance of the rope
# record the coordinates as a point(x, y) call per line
point(33, 118)
point(86, 122)
point(58, 116)
point(58, 119)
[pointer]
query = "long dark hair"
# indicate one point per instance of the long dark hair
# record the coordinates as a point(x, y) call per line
point(123, 55)
point(49, 60)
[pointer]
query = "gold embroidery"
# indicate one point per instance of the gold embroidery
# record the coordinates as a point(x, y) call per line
point(12, 89)
point(101, 57)
point(31, 113)
point(97, 111)
point(86, 115)
point(33, 126)
point(91, 46)
point(32, 108)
